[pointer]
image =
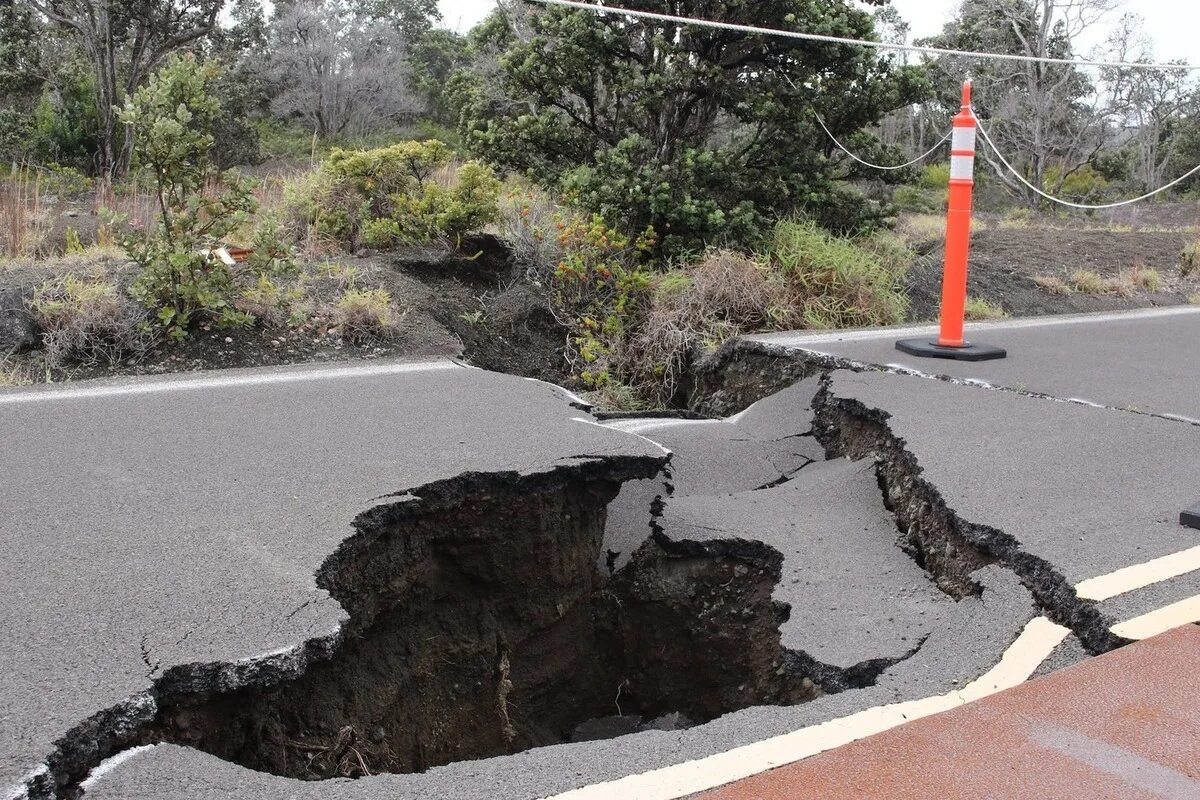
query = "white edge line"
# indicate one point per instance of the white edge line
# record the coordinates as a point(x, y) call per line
point(1019, 661)
point(1034, 644)
point(574, 398)
point(109, 764)
point(21, 790)
point(789, 338)
point(635, 425)
point(631, 433)
point(40, 394)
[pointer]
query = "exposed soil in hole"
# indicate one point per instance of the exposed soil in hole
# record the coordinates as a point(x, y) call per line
point(481, 626)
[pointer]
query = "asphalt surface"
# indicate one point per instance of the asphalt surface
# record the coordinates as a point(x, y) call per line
point(157, 523)
point(954, 642)
point(1138, 360)
point(972, 640)
point(767, 443)
point(830, 524)
point(1087, 490)
point(149, 529)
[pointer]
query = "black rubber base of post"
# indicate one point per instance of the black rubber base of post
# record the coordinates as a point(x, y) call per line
point(1190, 517)
point(923, 348)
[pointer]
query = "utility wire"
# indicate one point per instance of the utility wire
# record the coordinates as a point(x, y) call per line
point(843, 148)
point(818, 37)
point(984, 134)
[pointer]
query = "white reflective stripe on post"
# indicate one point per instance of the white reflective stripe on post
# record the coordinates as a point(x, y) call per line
point(964, 139)
point(962, 167)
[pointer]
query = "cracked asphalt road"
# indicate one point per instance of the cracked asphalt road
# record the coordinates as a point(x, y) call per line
point(1086, 491)
point(152, 524)
point(1139, 360)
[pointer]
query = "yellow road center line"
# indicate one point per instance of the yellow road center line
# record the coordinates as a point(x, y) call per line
point(1139, 576)
point(1023, 656)
point(1160, 620)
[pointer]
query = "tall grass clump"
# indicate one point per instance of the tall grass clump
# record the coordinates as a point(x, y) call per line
point(695, 309)
point(834, 282)
point(25, 218)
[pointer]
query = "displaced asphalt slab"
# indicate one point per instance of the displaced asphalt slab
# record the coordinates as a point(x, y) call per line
point(765, 444)
point(154, 523)
point(958, 641)
point(1086, 490)
point(831, 527)
point(1118, 727)
point(1138, 360)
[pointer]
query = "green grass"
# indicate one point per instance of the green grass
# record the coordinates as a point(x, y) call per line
point(836, 282)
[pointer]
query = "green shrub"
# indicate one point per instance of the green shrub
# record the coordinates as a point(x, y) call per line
point(63, 182)
point(87, 321)
point(74, 246)
point(1084, 185)
point(179, 277)
point(393, 195)
point(271, 302)
point(834, 282)
point(271, 254)
point(935, 177)
point(916, 200)
point(366, 315)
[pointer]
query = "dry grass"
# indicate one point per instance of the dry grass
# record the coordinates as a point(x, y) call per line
point(1086, 281)
point(15, 373)
point(1052, 284)
point(720, 296)
point(88, 321)
point(978, 310)
point(1143, 277)
point(367, 315)
point(921, 229)
point(527, 221)
point(25, 217)
point(1189, 258)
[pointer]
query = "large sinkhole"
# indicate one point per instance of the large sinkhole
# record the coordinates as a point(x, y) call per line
point(481, 626)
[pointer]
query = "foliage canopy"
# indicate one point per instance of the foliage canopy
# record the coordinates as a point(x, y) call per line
point(702, 134)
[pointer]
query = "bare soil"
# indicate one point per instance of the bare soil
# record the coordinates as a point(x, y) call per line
point(1005, 261)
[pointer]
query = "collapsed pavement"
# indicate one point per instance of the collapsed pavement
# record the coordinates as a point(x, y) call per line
point(758, 583)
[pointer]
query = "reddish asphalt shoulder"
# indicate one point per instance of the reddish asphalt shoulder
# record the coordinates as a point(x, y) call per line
point(1122, 726)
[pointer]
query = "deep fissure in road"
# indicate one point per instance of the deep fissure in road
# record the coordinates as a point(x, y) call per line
point(480, 626)
point(945, 545)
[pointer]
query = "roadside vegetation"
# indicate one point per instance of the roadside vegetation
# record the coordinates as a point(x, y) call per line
point(213, 187)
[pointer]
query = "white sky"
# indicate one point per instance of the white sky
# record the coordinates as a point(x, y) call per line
point(1174, 25)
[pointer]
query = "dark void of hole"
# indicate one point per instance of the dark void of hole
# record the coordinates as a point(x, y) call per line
point(480, 626)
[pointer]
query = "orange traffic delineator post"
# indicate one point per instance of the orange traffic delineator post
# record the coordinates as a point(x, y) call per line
point(950, 342)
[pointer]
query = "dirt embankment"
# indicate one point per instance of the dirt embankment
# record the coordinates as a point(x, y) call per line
point(466, 304)
point(1006, 260)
